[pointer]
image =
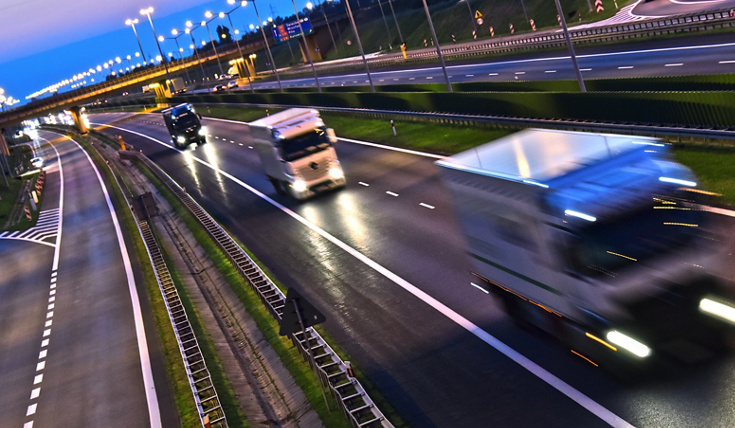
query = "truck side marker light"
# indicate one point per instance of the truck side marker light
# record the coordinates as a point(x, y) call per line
point(648, 143)
point(549, 310)
point(584, 358)
point(717, 309)
point(678, 181)
point(620, 255)
point(536, 183)
point(671, 223)
point(597, 339)
point(578, 214)
point(626, 342)
point(479, 288)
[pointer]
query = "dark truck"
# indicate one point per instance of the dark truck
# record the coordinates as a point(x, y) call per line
point(185, 126)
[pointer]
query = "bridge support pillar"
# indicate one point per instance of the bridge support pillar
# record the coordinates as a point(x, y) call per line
point(80, 119)
point(313, 46)
point(242, 69)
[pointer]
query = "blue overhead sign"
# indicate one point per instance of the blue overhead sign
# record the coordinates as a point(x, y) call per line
point(289, 30)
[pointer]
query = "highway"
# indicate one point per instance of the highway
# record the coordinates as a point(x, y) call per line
point(384, 260)
point(706, 54)
point(73, 348)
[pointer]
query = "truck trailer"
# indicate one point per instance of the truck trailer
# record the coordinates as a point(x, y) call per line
point(601, 240)
point(297, 153)
point(184, 125)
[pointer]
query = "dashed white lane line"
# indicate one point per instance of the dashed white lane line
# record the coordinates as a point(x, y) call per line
point(730, 61)
point(520, 72)
point(38, 379)
point(429, 77)
point(28, 424)
point(675, 64)
point(240, 144)
point(550, 379)
point(469, 75)
point(363, 184)
point(625, 67)
point(35, 393)
point(394, 194)
point(411, 78)
point(492, 74)
point(47, 332)
point(431, 207)
point(550, 71)
point(585, 69)
point(31, 409)
point(42, 354)
point(479, 288)
point(40, 366)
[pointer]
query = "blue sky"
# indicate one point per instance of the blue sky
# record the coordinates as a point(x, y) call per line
point(53, 40)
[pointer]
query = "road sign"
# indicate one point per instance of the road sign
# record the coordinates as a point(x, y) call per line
point(479, 22)
point(478, 14)
point(308, 313)
point(289, 30)
point(598, 6)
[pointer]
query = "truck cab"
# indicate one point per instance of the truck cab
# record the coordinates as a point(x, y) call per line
point(184, 125)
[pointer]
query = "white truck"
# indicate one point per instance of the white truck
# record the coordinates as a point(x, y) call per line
point(600, 240)
point(297, 153)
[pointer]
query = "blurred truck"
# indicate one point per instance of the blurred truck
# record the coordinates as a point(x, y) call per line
point(297, 153)
point(600, 240)
point(185, 126)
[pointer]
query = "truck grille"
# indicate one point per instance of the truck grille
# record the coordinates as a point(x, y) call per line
point(314, 171)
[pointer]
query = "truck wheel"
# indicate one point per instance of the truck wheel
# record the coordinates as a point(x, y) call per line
point(277, 185)
point(515, 311)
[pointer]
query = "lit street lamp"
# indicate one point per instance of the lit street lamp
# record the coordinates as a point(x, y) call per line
point(132, 23)
point(208, 14)
point(147, 12)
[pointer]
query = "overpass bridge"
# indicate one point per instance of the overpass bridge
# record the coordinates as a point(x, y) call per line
point(161, 73)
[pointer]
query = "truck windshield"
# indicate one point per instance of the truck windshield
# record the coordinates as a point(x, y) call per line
point(305, 144)
point(606, 248)
point(185, 120)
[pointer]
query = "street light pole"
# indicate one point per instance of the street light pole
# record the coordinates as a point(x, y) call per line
point(472, 17)
point(209, 15)
point(268, 48)
point(438, 49)
point(359, 44)
point(400, 36)
point(176, 35)
point(387, 30)
point(148, 12)
point(306, 46)
point(324, 12)
point(577, 71)
point(190, 31)
point(237, 41)
point(132, 23)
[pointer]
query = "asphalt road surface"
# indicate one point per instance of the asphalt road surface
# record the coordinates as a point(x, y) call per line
point(70, 346)
point(384, 260)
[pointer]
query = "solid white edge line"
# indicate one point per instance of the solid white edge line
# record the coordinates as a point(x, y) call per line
point(553, 381)
point(154, 414)
point(57, 245)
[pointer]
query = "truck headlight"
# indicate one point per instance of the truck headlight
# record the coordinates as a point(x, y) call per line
point(299, 185)
point(181, 139)
point(335, 171)
point(628, 343)
point(202, 131)
point(717, 309)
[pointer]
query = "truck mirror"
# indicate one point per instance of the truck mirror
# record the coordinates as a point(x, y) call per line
point(331, 135)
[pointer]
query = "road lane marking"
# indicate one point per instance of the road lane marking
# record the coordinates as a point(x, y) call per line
point(363, 184)
point(40, 366)
point(625, 67)
point(38, 379)
point(44, 343)
point(479, 288)
point(550, 71)
point(149, 386)
point(727, 62)
point(431, 207)
point(42, 354)
point(31, 409)
point(394, 194)
point(675, 64)
point(492, 74)
point(35, 393)
point(585, 69)
point(520, 72)
point(572, 393)
point(429, 77)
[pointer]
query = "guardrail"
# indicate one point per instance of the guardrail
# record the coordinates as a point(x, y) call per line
point(347, 390)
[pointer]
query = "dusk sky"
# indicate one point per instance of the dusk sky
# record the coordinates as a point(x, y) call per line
point(46, 41)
